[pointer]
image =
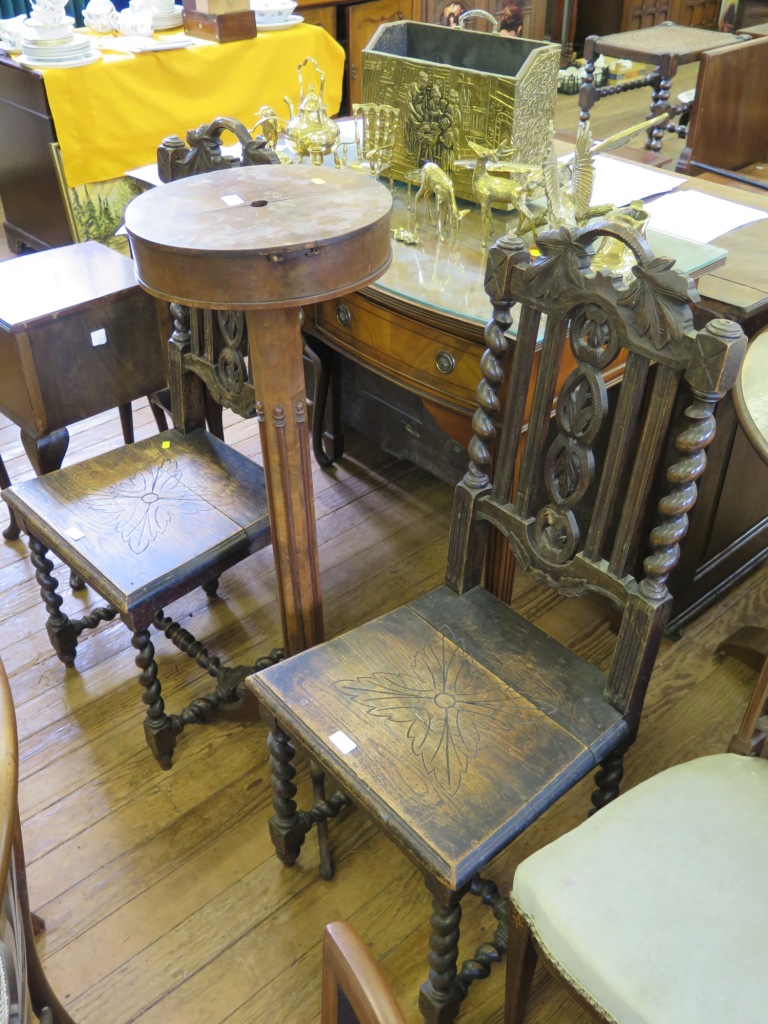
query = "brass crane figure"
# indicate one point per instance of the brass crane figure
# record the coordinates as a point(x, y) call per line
point(568, 184)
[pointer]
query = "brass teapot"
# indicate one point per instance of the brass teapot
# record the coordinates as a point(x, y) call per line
point(310, 130)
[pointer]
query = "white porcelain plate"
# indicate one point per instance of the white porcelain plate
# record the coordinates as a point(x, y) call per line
point(273, 26)
point(164, 21)
point(77, 48)
point(73, 62)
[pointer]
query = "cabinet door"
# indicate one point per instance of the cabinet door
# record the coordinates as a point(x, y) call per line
point(645, 13)
point(324, 17)
point(699, 13)
point(362, 22)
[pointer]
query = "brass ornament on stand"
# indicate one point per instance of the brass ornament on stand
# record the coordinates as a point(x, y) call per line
point(310, 131)
point(376, 127)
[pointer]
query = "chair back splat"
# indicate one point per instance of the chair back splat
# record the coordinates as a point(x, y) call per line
point(575, 511)
point(454, 721)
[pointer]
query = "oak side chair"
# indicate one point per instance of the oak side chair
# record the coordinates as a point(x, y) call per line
point(148, 523)
point(24, 988)
point(647, 913)
point(452, 721)
point(354, 989)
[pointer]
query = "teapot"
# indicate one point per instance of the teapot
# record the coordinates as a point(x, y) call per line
point(99, 16)
point(310, 130)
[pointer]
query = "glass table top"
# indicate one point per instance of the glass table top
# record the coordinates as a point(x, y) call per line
point(447, 276)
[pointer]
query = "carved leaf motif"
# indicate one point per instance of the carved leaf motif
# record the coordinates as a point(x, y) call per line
point(143, 507)
point(447, 706)
point(578, 410)
point(562, 266)
point(659, 301)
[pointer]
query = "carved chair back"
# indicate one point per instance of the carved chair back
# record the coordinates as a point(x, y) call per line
point(572, 493)
point(208, 351)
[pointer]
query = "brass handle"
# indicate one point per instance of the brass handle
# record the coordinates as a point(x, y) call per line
point(343, 315)
point(445, 362)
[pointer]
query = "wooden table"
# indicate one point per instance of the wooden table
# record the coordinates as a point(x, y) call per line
point(77, 337)
point(266, 240)
point(751, 395)
point(114, 114)
point(750, 399)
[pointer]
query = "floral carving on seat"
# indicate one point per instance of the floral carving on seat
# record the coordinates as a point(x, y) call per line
point(143, 507)
point(446, 703)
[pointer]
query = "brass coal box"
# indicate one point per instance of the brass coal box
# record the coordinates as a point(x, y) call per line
point(456, 86)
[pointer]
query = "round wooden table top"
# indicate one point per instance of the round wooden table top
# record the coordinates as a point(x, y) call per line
point(751, 395)
point(268, 236)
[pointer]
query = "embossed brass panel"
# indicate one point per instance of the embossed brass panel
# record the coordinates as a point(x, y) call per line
point(455, 87)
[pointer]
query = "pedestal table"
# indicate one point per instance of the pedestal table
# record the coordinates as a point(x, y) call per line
point(266, 240)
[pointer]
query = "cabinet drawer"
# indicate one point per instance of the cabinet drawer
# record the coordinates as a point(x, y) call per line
point(427, 362)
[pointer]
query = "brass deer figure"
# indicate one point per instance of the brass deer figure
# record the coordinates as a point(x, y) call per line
point(435, 182)
point(515, 191)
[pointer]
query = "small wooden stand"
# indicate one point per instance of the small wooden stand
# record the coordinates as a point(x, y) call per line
point(222, 21)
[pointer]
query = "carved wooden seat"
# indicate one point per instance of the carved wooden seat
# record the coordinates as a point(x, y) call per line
point(148, 523)
point(453, 721)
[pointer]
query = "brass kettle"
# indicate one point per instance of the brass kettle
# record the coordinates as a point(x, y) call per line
point(310, 131)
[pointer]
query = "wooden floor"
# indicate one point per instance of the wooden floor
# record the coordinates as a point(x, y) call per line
point(162, 897)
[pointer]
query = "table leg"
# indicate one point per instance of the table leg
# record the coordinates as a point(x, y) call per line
point(275, 344)
point(46, 453)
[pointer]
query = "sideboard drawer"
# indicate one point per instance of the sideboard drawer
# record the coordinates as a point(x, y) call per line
point(427, 362)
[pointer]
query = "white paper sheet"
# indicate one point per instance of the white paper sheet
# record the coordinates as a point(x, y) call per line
point(699, 217)
point(622, 181)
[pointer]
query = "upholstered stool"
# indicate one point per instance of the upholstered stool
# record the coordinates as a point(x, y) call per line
point(78, 336)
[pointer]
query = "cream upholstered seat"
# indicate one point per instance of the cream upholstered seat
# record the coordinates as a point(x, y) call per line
point(649, 907)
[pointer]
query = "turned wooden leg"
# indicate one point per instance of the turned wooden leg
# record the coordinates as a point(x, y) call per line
point(440, 998)
point(521, 963)
point(12, 531)
point(285, 826)
point(158, 728)
point(61, 630)
point(211, 587)
point(608, 779)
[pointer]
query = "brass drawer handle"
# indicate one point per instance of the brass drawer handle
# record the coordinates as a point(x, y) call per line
point(343, 315)
point(445, 362)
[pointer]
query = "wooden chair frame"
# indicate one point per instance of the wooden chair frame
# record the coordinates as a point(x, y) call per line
point(12, 866)
point(574, 527)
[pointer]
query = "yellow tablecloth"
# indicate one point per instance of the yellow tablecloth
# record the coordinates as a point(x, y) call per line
point(113, 114)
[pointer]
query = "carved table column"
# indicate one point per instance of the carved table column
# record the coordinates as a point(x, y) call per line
point(265, 240)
